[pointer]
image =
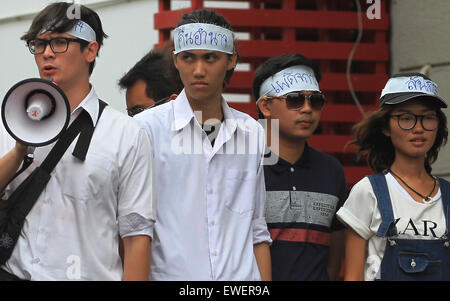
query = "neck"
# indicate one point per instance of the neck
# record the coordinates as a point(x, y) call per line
point(76, 94)
point(76, 89)
point(410, 168)
point(206, 111)
point(289, 149)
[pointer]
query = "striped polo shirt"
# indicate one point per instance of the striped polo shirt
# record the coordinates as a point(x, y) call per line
point(302, 200)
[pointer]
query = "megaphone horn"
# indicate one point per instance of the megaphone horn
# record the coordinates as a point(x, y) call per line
point(35, 112)
point(39, 107)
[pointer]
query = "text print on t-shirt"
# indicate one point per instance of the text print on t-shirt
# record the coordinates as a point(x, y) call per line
point(301, 207)
point(416, 228)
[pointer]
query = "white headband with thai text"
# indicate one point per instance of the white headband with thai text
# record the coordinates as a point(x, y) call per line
point(81, 30)
point(408, 84)
point(202, 36)
point(292, 79)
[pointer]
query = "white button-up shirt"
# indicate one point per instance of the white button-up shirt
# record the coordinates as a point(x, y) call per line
point(210, 198)
point(72, 232)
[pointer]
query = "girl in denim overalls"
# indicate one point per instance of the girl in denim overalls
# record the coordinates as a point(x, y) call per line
point(398, 218)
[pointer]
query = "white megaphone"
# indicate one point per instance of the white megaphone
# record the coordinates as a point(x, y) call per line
point(35, 112)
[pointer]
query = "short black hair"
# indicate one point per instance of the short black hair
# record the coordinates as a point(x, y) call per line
point(55, 18)
point(158, 72)
point(275, 65)
point(209, 16)
point(410, 74)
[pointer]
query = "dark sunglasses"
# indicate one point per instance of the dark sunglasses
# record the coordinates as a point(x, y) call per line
point(138, 109)
point(296, 100)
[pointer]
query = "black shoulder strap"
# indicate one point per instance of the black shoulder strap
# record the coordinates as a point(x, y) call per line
point(444, 186)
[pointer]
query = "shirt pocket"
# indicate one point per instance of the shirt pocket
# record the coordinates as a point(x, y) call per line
point(240, 188)
point(86, 180)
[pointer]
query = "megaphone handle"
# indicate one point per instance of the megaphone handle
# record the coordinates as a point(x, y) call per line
point(27, 160)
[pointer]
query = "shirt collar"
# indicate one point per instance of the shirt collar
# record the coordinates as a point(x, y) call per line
point(182, 111)
point(183, 114)
point(90, 104)
point(302, 162)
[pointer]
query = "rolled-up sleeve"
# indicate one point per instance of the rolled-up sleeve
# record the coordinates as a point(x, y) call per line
point(260, 232)
point(358, 210)
point(135, 224)
point(137, 196)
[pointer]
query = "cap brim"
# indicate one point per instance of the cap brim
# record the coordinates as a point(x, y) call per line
point(396, 98)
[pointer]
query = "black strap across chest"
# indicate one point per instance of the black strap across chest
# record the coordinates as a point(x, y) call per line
point(15, 209)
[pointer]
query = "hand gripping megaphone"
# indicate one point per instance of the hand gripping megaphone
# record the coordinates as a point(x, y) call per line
point(35, 112)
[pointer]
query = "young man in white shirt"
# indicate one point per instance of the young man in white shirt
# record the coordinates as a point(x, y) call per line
point(72, 232)
point(210, 220)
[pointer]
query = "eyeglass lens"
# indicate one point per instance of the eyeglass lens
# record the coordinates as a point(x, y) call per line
point(58, 45)
point(409, 121)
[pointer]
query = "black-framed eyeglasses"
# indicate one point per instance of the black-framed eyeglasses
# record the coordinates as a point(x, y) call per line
point(407, 121)
point(296, 100)
point(138, 109)
point(58, 45)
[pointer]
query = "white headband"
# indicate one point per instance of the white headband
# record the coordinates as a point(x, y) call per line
point(295, 78)
point(410, 84)
point(203, 36)
point(81, 30)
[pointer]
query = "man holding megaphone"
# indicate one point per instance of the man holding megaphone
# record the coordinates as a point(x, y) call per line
point(90, 183)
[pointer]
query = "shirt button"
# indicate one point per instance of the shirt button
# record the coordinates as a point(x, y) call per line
point(292, 169)
point(213, 223)
point(294, 188)
point(35, 260)
point(215, 253)
point(210, 190)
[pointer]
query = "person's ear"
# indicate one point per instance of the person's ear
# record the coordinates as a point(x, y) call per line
point(91, 51)
point(264, 107)
point(171, 97)
point(232, 61)
point(386, 131)
point(174, 58)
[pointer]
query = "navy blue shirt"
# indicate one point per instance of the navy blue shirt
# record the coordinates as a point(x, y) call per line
point(302, 201)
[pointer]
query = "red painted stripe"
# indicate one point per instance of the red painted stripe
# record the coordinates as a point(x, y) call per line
point(269, 18)
point(301, 235)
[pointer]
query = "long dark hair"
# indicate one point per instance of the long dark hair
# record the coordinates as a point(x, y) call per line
point(378, 149)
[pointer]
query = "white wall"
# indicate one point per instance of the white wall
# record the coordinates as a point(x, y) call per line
point(420, 36)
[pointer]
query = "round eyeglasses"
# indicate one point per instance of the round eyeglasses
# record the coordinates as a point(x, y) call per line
point(296, 100)
point(408, 121)
point(58, 45)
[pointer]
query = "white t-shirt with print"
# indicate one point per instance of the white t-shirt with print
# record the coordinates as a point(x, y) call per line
point(415, 220)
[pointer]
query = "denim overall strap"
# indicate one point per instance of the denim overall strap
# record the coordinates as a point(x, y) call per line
point(418, 259)
point(444, 185)
point(380, 188)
